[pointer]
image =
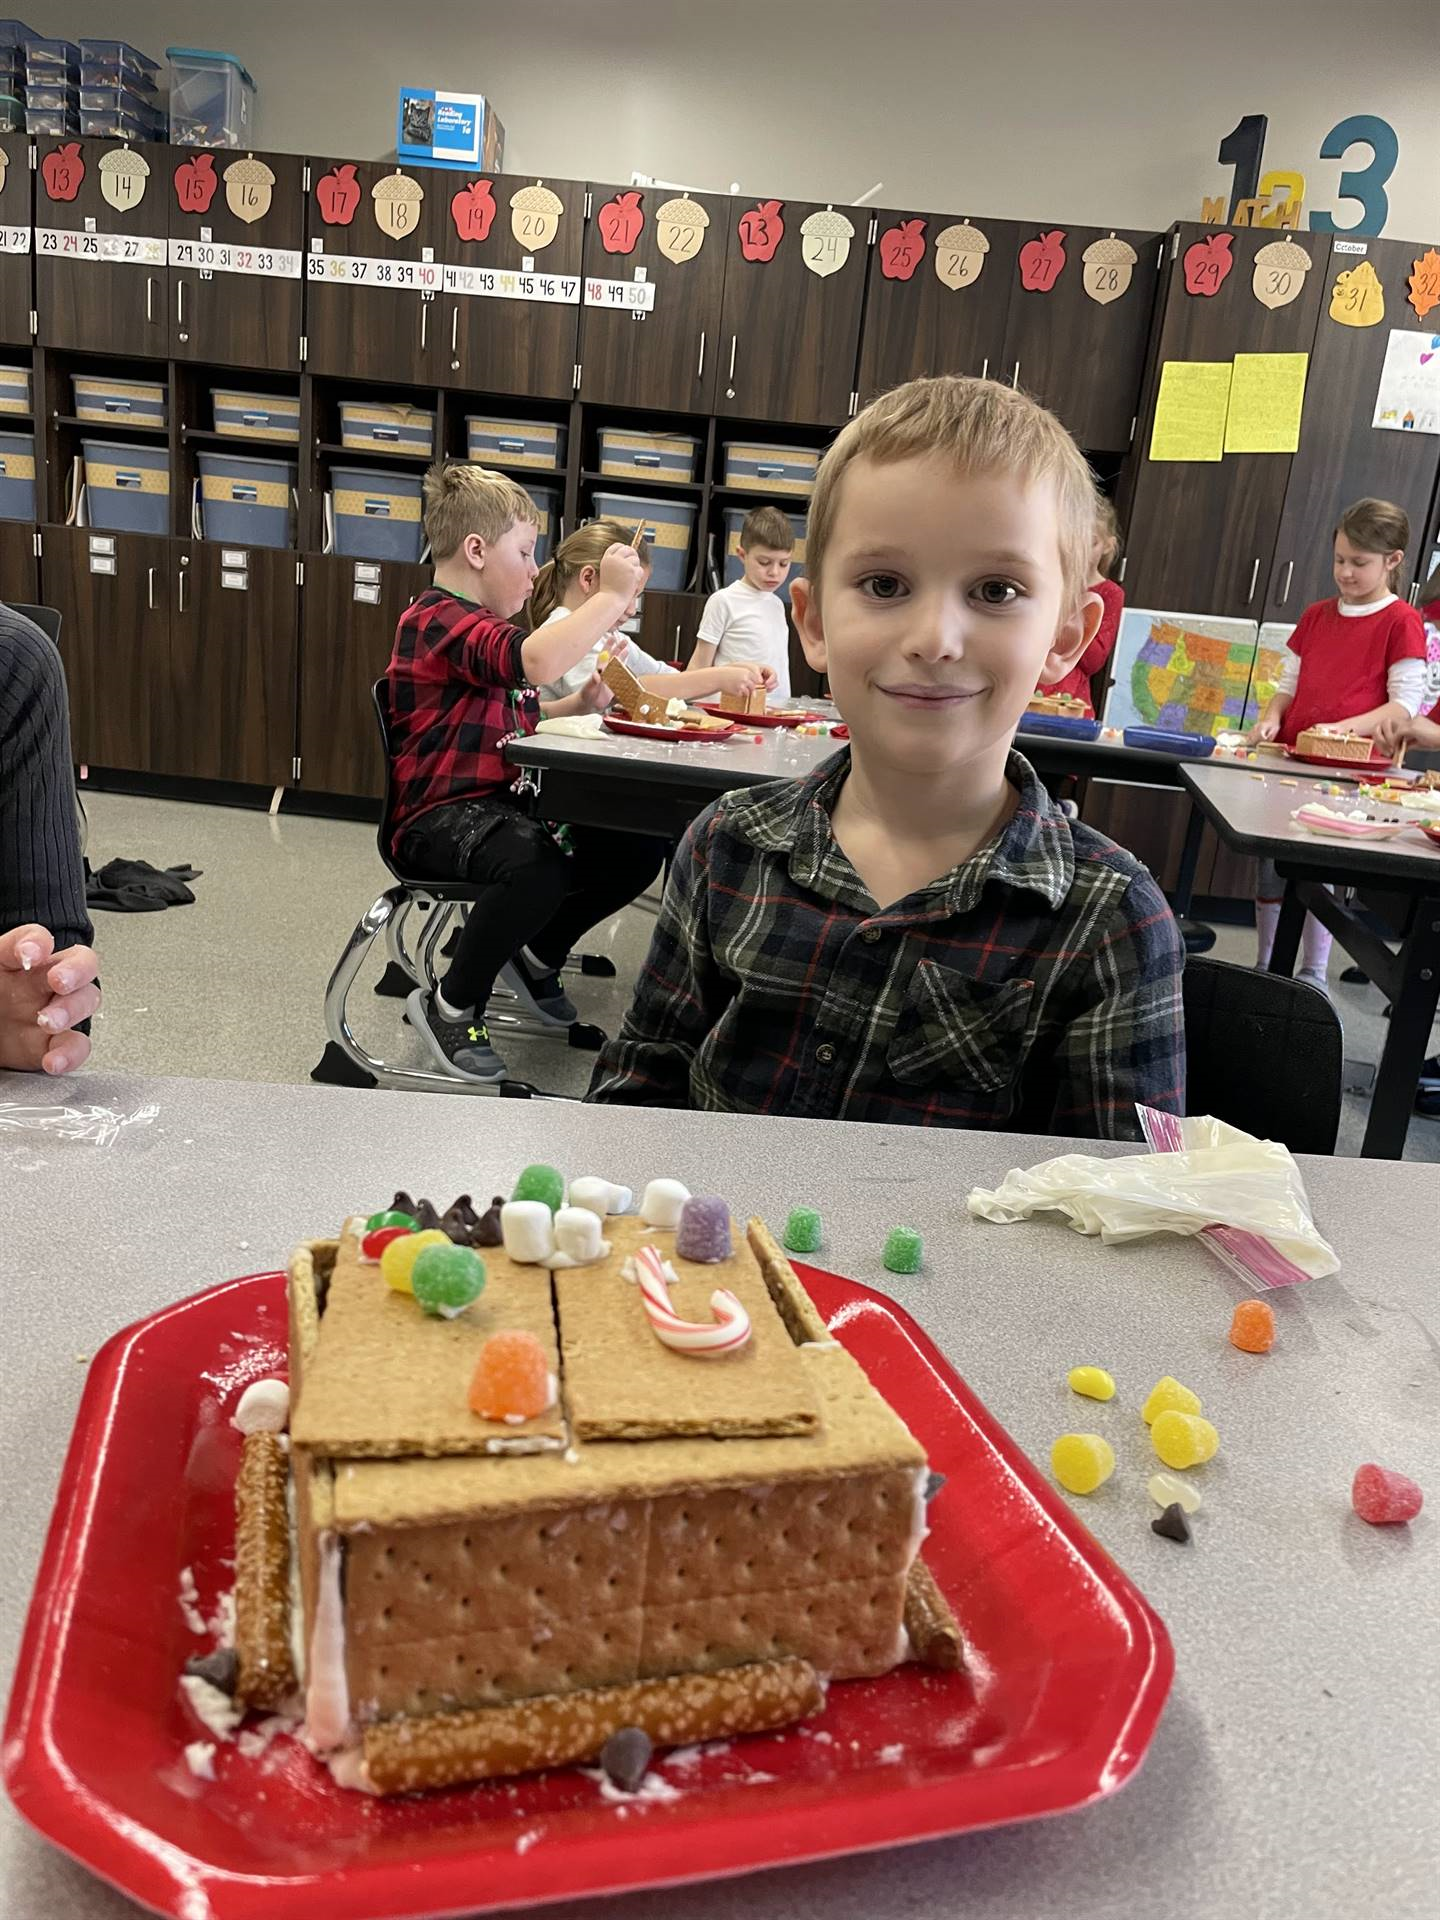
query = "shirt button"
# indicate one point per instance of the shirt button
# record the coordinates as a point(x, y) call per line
point(825, 1054)
point(870, 933)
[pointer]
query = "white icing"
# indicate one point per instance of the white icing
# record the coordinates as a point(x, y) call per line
point(602, 1197)
point(221, 1623)
point(578, 1238)
point(327, 1696)
point(264, 1408)
point(189, 1598)
point(215, 1710)
point(661, 1202)
point(347, 1769)
point(297, 1599)
point(527, 1228)
point(200, 1759)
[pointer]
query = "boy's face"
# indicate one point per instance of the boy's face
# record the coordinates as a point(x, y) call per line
point(766, 568)
point(502, 571)
point(940, 610)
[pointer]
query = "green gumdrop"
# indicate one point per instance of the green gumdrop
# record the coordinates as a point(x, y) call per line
point(902, 1250)
point(390, 1217)
point(802, 1230)
point(539, 1182)
point(445, 1280)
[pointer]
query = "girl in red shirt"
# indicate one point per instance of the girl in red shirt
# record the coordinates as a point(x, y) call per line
point(1357, 664)
point(1107, 544)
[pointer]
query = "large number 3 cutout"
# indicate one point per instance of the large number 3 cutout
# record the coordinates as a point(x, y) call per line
point(1367, 185)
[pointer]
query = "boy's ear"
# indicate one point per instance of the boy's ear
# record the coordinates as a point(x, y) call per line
point(805, 612)
point(1072, 637)
point(473, 547)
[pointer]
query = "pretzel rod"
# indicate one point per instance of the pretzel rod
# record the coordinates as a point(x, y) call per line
point(262, 1573)
point(557, 1730)
point(729, 1329)
point(639, 534)
point(934, 1637)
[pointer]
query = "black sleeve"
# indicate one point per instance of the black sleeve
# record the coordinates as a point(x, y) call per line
point(41, 873)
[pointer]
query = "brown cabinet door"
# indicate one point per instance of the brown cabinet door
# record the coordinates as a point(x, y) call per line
point(1342, 457)
point(18, 574)
point(667, 356)
point(372, 305)
point(937, 299)
point(1076, 329)
point(791, 320)
point(345, 647)
point(1201, 533)
point(510, 311)
point(101, 247)
point(16, 241)
point(238, 253)
point(229, 710)
point(668, 623)
point(114, 639)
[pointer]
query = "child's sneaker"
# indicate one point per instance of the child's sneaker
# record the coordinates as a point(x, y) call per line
point(541, 992)
point(1314, 977)
point(462, 1047)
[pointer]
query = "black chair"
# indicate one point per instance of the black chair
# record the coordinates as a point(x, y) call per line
point(48, 619)
point(1263, 1052)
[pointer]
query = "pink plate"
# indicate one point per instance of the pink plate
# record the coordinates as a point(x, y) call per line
point(1069, 1669)
point(643, 730)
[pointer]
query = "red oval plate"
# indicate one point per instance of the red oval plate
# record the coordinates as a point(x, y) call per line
point(644, 731)
point(791, 718)
point(1377, 763)
point(1069, 1673)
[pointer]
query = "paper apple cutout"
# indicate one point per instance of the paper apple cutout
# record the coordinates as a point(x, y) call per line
point(620, 221)
point(195, 183)
point(337, 194)
point(62, 170)
point(902, 247)
point(472, 209)
point(1042, 261)
point(1207, 263)
point(761, 230)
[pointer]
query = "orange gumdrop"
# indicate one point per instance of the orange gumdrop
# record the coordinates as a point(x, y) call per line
point(512, 1378)
point(1253, 1327)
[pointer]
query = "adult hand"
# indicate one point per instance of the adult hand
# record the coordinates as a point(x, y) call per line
point(43, 997)
point(622, 572)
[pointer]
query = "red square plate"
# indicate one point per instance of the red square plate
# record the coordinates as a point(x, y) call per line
point(1069, 1669)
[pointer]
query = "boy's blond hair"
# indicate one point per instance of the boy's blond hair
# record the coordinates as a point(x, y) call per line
point(767, 527)
point(978, 426)
point(461, 498)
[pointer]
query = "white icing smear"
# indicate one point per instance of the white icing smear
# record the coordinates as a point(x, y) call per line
point(327, 1696)
point(200, 1759)
point(189, 1598)
point(215, 1710)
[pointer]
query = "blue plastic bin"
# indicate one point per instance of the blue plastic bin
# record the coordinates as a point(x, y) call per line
point(127, 487)
point(17, 476)
point(770, 469)
point(376, 514)
point(256, 416)
point(212, 99)
point(514, 443)
point(668, 526)
point(247, 501)
point(547, 505)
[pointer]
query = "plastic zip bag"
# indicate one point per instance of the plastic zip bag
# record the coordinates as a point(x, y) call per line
point(101, 1126)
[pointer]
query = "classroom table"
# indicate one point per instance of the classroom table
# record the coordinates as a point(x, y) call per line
point(1292, 1773)
point(1253, 815)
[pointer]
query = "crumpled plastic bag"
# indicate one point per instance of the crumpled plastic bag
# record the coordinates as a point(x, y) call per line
point(1224, 1177)
point(101, 1126)
point(577, 726)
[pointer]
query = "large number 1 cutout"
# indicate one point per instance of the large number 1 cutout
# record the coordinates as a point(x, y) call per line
point(1367, 184)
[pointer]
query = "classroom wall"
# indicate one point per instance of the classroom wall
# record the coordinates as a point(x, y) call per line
point(1108, 112)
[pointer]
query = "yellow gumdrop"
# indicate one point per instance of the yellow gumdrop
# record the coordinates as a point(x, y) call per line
point(397, 1262)
point(1081, 1462)
point(1168, 1396)
point(1183, 1439)
point(1094, 1382)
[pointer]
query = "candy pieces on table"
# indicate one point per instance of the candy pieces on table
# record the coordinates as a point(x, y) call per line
point(1183, 1439)
point(527, 1228)
point(1172, 1524)
point(602, 1197)
point(703, 1230)
point(487, 1231)
point(539, 1182)
point(802, 1230)
point(392, 1217)
point(625, 1757)
point(1093, 1382)
point(661, 1202)
point(462, 1223)
point(1385, 1498)
point(1252, 1327)
point(904, 1250)
point(579, 1238)
point(445, 1280)
point(397, 1262)
point(264, 1408)
point(383, 1227)
point(1165, 1490)
point(512, 1381)
point(1081, 1462)
point(1168, 1396)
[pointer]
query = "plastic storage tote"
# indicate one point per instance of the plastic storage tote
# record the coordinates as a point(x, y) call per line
point(127, 488)
point(668, 526)
point(388, 427)
point(647, 456)
point(735, 566)
point(212, 99)
point(14, 390)
point(376, 515)
point(770, 469)
point(514, 443)
point(547, 505)
point(17, 476)
point(256, 416)
point(246, 501)
point(130, 403)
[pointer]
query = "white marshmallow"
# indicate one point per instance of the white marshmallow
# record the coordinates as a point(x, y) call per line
point(661, 1203)
point(264, 1408)
point(600, 1196)
point(578, 1239)
point(527, 1229)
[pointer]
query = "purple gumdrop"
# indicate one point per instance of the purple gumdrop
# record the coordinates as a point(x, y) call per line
point(704, 1229)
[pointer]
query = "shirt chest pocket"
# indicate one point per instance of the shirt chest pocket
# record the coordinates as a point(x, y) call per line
point(952, 1028)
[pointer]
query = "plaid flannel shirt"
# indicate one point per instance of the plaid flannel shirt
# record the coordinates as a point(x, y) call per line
point(1034, 987)
point(458, 692)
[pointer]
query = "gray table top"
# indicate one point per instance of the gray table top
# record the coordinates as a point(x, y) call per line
point(1253, 814)
point(1292, 1775)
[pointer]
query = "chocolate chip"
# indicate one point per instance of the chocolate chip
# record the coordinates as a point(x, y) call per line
point(221, 1668)
point(487, 1231)
point(1172, 1524)
point(402, 1203)
point(933, 1483)
point(427, 1220)
point(625, 1756)
point(461, 1222)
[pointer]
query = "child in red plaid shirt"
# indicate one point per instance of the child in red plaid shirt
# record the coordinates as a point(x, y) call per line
point(915, 932)
point(462, 682)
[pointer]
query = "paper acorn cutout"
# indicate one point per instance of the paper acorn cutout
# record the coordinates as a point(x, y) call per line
point(1357, 298)
point(1280, 271)
point(680, 229)
point(825, 241)
point(4, 163)
point(249, 187)
point(397, 203)
point(535, 216)
point(960, 253)
point(124, 175)
point(1109, 264)
point(902, 247)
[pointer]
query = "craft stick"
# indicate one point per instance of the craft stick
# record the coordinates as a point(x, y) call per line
point(934, 1637)
point(262, 1573)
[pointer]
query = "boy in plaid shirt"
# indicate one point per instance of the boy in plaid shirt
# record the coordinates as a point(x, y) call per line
point(462, 682)
point(915, 932)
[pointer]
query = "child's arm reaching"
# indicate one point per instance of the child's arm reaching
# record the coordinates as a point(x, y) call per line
point(1392, 713)
point(1391, 734)
point(554, 648)
point(695, 681)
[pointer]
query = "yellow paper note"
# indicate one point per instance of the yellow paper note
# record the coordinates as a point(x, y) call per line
point(1190, 410)
point(1267, 394)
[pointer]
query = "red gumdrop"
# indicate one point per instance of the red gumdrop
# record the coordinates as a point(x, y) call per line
point(512, 1378)
point(374, 1244)
point(1385, 1498)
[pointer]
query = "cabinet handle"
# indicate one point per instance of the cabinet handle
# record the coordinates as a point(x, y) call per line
point(455, 328)
point(149, 299)
point(150, 588)
point(180, 598)
point(1289, 576)
point(731, 374)
point(424, 325)
point(700, 363)
point(179, 303)
point(985, 368)
point(1015, 376)
point(1254, 576)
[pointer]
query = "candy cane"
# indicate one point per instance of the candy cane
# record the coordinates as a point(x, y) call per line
point(729, 1330)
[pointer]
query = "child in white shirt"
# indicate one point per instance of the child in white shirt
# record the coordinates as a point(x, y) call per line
point(746, 621)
